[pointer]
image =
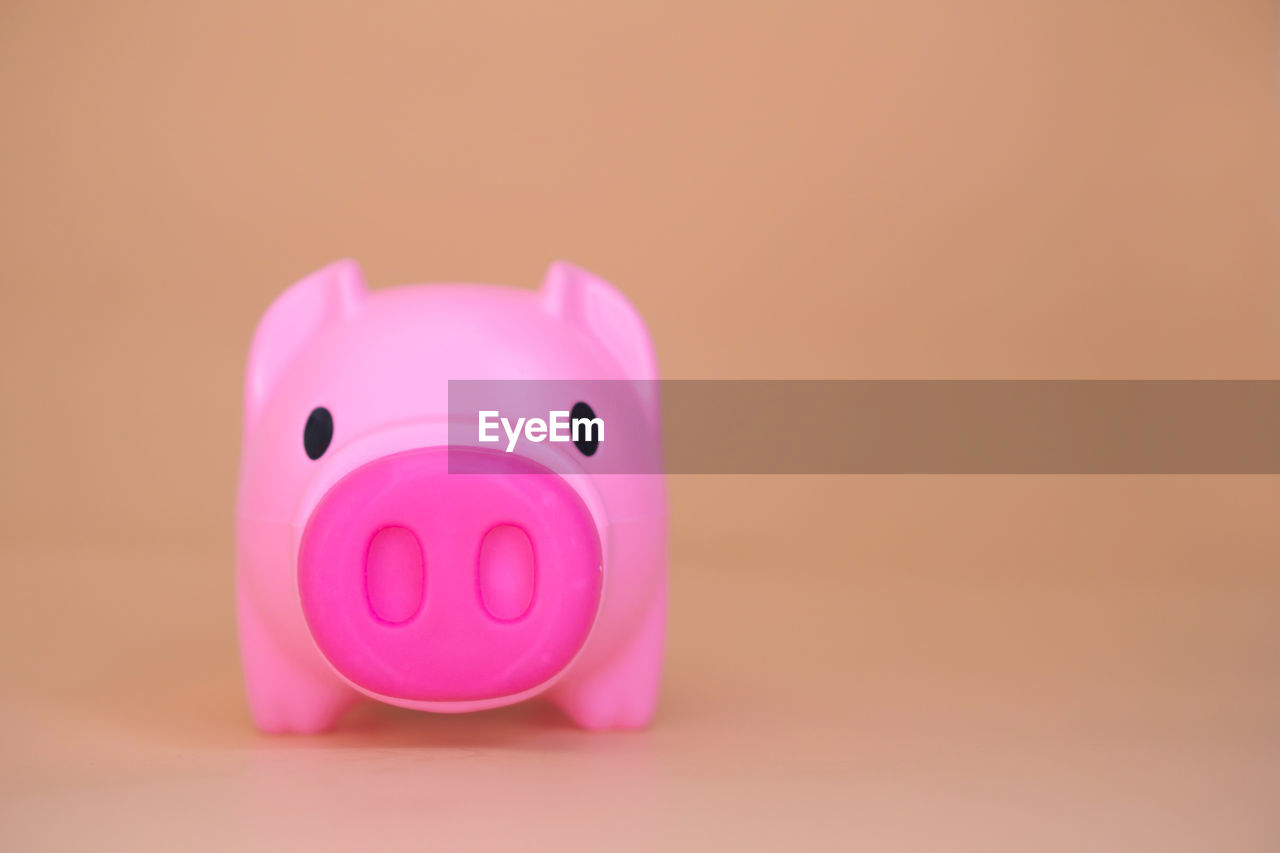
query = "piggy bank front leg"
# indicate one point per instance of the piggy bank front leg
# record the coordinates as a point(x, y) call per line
point(623, 692)
point(286, 696)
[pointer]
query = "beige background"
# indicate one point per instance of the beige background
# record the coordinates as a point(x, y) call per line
point(940, 190)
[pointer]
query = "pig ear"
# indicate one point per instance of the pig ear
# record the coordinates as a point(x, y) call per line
point(297, 315)
point(599, 309)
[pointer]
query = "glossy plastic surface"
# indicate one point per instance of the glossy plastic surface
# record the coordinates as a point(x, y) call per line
point(365, 569)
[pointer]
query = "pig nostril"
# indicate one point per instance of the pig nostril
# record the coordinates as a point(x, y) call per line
point(394, 575)
point(505, 569)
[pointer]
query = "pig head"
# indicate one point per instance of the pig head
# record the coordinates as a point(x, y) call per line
point(365, 569)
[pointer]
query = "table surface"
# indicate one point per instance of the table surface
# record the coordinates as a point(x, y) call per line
point(1014, 669)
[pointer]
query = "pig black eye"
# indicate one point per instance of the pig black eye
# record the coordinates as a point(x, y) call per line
point(318, 432)
point(587, 440)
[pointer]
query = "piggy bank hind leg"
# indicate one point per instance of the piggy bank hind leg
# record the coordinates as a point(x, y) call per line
point(623, 692)
point(286, 697)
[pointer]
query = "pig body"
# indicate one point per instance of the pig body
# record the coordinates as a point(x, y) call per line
point(365, 569)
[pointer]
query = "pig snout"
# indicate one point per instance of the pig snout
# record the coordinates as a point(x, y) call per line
point(426, 585)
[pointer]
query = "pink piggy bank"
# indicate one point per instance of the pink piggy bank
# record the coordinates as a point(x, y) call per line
point(365, 568)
